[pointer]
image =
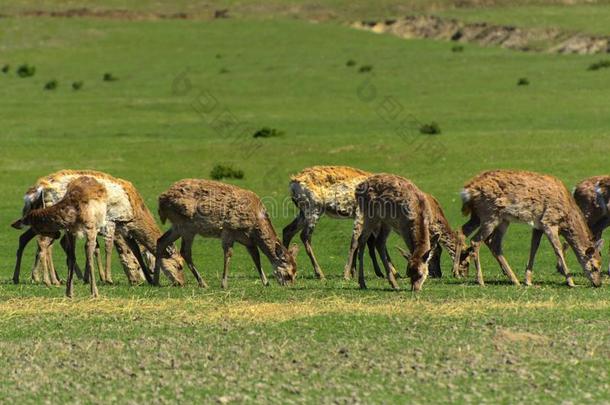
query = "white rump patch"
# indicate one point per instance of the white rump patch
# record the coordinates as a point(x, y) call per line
point(465, 195)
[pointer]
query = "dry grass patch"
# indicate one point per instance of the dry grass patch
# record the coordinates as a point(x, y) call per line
point(214, 309)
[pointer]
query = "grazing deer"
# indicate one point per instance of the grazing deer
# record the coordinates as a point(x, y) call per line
point(329, 190)
point(387, 202)
point(129, 222)
point(81, 211)
point(592, 196)
point(218, 210)
point(496, 198)
point(439, 229)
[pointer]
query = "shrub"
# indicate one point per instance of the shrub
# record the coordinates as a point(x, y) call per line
point(350, 63)
point(523, 82)
point(77, 85)
point(220, 172)
point(365, 68)
point(51, 85)
point(6, 68)
point(218, 56)
point(108, 77)
point(457, 48)
point(267, 132)
point(224, 70)
point(602, 64)
point(430, 129)
point(26, 70)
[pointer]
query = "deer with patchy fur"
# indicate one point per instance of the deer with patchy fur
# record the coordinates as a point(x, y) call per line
point(496, 198)
point(320, 190)
point(232, 214)
point(127, 214)
point(387, 202)
point(82, 211)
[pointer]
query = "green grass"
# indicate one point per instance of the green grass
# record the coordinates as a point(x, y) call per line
point(315, 342)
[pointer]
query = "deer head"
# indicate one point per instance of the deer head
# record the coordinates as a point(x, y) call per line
point(286, 271)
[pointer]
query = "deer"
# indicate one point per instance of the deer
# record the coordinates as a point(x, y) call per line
point(232, 214)
point(494, 199)
point(329, 190)
point(80, 212)
point(452, 241)
point(388, 202)
point(592, 196)
point(129, 223)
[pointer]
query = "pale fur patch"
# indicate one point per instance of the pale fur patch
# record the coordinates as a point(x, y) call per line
point(465, 195)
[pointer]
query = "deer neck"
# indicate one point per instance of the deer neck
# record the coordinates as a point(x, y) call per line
point(578, 236)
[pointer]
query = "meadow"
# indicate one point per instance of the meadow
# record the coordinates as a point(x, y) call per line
point(189, 95)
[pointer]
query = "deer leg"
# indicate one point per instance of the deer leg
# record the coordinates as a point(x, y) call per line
point(552, 234)
point(186, 253)
point(291, 229)
point(69, 246)
point(227, 247)
point(469, 227)
point(482, 234)
point(380, 242)
point(44, 264)
point(135, 250)
point(372, 245)
point(350, 266)
point(91, 243)
point(494, 243)
point(51, 266)
point(109, 232)
point(98, 261)
point(24, 239)
point(256, 258)
point(306, 239)
point(361, 243)
point(163, 243)
point(65, 246)
point(535, 244)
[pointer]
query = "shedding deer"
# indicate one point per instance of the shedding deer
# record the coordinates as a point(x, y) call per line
point(387, 202)
point(329, 190)
point(218, 210)
point(81, 212)
point(496, 198)
point(129, 223)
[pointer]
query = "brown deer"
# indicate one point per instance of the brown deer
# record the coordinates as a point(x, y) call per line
point(387, 202)
point(452, 241)
point(592, 196)
point(82, 211)
point(129, 223)
point(496, 198)
point(218, 210)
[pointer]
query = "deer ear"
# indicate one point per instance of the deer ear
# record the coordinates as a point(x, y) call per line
point(18, 224)
point(599, 245)
point(403, 253)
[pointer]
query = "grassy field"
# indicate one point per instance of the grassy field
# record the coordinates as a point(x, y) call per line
point(317, 341)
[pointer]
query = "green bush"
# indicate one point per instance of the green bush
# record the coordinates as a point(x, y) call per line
point(602, 64)
point(77, 85)
point(26, 70)
point(6, 68)
point(350, 62)
point(220, 172)
point(365, 68)
point(51, 85)
point(430, 129)
point(267, 132)
point(523, 82)
point(457, 48)
point(108, 77)
point(224, 70)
